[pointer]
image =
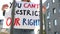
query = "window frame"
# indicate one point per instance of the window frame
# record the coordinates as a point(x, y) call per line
point(48, 14)
point(53, 1)
point(54, 10)
point(55, 22)
point(48, 6)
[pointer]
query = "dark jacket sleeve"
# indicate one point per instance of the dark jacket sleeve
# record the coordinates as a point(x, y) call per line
point(4, 13)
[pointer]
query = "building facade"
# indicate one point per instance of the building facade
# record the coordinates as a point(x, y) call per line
point(52, 16)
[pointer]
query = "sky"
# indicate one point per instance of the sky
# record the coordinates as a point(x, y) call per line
point(7, 1)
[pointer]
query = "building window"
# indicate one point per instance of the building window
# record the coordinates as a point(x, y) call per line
point(53, 1)
point(49, 25)
point(47, 6)
point(55, 32)
point(54, 10)
point(48, 14)
point(55, 22)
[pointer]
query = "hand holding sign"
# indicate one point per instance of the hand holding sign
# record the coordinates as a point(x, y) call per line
point(4, 7)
